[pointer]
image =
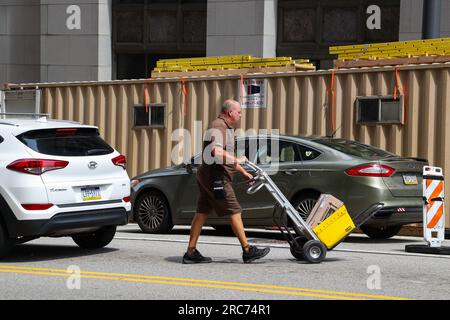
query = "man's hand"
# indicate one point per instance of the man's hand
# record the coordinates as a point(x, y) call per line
point(248, 177)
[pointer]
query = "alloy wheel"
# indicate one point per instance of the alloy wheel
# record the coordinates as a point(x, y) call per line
point(151, 212)
point(305, 207)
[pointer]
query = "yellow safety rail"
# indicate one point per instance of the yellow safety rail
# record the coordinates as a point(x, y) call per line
point(399, 49)
point(225, 62)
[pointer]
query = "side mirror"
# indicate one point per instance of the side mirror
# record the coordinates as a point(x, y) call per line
point(188, 167)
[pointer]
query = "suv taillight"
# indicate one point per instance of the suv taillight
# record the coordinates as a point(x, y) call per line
point(120, 161)
point(371, 170)
point(37, 166)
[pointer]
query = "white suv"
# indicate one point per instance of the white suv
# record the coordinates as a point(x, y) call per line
point(59, 178)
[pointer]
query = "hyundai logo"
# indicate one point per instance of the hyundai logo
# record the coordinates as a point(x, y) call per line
point(92, 165)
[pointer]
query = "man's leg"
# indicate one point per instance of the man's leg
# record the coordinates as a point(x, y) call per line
point(196, 228)
point(238, 228)
point(193, 255)
point(250, 253)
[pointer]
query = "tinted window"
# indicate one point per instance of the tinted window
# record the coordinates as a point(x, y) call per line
point(69, 142)
point(248, 148)
point(308, 153)
point(355, 148)
point(1, 139)
point(287, 152)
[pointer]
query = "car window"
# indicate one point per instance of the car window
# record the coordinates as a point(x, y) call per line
point(307, 153)
point(1, 139)
point(355, 148)
point(248, 148)
point(287, 152)
point(69, 142)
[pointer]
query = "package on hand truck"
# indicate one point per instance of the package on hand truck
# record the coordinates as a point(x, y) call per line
point(310, 244)
point(324, 207)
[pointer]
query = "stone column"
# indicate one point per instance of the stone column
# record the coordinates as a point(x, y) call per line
point(241, 27)
point(75, 40)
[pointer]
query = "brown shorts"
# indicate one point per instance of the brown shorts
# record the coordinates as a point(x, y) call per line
point(223, 207)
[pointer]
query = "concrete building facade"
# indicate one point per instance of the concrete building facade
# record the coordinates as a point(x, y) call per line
point(66, 40)
point(55, 40)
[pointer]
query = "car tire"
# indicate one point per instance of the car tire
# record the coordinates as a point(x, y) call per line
point(95, 240)
point(304, 203)
point(5, 242)
point(151, 212)
point(384, 232)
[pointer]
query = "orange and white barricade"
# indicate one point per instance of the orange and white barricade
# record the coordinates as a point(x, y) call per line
point(433, 208)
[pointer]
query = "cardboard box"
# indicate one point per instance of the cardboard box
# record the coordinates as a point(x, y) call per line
point(325, 206)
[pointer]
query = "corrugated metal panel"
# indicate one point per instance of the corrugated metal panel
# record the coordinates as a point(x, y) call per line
point(298, 103)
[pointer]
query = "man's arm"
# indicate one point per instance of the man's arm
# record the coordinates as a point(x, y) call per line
point(228, 158)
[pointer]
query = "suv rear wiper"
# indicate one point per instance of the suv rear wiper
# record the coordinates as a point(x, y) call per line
point(97, 152)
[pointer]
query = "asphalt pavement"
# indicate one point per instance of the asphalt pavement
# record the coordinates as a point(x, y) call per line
point(138, 266)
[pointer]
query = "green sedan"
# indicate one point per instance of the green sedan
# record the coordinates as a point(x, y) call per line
point(357, 174)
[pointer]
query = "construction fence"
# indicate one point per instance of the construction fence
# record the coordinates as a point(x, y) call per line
point(298, 103)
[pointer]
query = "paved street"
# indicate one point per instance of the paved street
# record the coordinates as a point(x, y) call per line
point(142, 266)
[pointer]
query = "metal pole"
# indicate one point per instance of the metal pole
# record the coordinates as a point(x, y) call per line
point(431, 19)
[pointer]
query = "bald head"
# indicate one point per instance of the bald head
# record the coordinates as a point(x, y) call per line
point(231, 110)
point(228, 105)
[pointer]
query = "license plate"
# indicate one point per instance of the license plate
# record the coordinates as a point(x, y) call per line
point(90, 193)
point(408, 179)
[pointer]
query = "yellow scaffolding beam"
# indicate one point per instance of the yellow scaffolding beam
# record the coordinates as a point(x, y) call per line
point(393, 49)
point(225, 62)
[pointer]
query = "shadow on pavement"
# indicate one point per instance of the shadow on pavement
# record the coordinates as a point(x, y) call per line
point(263, 234)
point(221, 261)
point(209, 232)
point(38, 252)
point(375, 241)
point(179, 259)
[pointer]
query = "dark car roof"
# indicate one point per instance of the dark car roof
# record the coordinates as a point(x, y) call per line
point(300, 137)
point(328, 143)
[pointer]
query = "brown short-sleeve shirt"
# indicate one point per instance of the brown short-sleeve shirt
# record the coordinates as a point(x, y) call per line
point(222, 136)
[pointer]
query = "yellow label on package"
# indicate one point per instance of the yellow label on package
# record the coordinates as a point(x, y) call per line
point(336, 227)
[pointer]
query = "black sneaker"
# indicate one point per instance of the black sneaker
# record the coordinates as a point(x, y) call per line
point(195, 257)
point(254, 253)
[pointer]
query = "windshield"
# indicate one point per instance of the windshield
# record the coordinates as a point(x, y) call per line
point(356, 149)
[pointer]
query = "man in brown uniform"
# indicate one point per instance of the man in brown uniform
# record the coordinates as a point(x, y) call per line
point(214, 178)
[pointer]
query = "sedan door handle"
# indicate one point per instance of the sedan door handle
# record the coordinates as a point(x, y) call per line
point(291, 172)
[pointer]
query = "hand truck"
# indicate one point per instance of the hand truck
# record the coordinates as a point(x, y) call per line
point(305, 245)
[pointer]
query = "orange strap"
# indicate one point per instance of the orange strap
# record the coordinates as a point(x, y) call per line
point(399, 89)
point(242, 88)
point(332, 100)
point(146, 97)
point(397, 80)
point(183, 86)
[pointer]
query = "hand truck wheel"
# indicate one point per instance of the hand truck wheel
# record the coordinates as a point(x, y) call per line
point(314, 251)
point(297, 247)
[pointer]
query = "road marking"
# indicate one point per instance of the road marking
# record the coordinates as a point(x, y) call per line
point(215, 284)
point(284, 246)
